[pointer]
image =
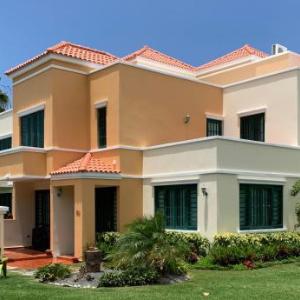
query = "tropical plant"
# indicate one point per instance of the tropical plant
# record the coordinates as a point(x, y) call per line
point(4, 100)
point(146, 245)
point(52, 272)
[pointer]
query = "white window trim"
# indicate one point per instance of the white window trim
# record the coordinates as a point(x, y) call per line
point(5, 136)
point(175, 180)
point(101, 103)
point(214, 117)
point(30, 110)
point(262, 180)
point(251, 112)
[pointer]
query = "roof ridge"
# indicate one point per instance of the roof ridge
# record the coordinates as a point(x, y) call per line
point(85, 161)
point(171, 57)
point(246, 47)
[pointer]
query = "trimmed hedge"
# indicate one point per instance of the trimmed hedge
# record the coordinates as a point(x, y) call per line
point(130, 277)
point(233, 248)
point(52, 272)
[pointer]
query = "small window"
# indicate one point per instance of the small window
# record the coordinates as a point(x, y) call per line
point(5, 143)
point(6, 200)
point(32, 130)
point(261, 206)
point(253, 127)
point(178, 203)
point(214, 127)
point(102, 127)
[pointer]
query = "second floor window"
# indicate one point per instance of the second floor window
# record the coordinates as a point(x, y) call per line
point(101, 127)
point(253, 127)
point(214, 127)
point(32, 130)
point(5, 143)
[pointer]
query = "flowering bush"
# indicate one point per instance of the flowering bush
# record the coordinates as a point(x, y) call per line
point(232, 248)
point(106, 241)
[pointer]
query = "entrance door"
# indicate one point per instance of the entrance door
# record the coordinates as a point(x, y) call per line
point(41, 232)
point(106, 209)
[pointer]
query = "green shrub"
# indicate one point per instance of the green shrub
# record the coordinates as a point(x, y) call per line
point(106, 241)
point(147, 245)
point(232, 248)
point(130, 277)
point(198, 244)
point(52, 272)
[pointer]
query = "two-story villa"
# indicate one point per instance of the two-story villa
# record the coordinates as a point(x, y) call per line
point(95, 141)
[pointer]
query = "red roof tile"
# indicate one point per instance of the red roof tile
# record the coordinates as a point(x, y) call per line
point(88, 163)
point(244, 51)
point(74, 51)
point(155, 55)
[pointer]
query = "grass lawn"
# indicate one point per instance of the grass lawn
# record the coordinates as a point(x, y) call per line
point(277, 282)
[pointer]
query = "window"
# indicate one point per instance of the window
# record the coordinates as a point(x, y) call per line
point(6, 200)
point(178, 203)
point(5, 143)
point(102, 127)
point(32, 130)
point(214, 127)
point(253, 127)
point(260, 206)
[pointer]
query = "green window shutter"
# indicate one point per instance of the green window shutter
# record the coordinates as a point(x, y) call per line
point(260, 206)
point(32, 130)
point(253, 127)
point(102, 127)
point(5, 143)
point(6, 200)
point(178, 204)
point(214, 127)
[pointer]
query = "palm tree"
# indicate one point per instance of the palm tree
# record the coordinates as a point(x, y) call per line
point(3, 101)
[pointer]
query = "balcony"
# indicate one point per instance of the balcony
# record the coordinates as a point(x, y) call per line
point(22, 162)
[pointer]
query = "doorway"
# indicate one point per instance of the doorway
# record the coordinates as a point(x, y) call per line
point(106, 209)
point(41, 231)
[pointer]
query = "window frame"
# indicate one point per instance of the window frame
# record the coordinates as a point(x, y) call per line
point(5, 138)
point(40, 142)
point(101, 144)
point(189, 215)
point(269, 189)
point(248, 116)
point(217, 120)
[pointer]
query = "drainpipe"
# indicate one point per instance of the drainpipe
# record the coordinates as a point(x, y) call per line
point(3, 211)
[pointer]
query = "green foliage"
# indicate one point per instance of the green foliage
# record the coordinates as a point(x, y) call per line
point(106, 241)
point(4, 100)
point(130, 277)
point(297, 211)
point(295, 188)
point(52, 272)
point(146, 245)
point(231, 248)
point(198, 244)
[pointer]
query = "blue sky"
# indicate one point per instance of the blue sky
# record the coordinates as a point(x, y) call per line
point(192, 30)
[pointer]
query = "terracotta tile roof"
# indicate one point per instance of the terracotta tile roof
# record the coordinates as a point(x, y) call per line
point(244, 51)
point(88, 163)
point(155, 55)
point(72, 50)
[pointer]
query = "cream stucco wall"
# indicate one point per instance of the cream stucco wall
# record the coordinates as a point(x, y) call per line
point(5, 123)
point(277, 94)
point(219, 165)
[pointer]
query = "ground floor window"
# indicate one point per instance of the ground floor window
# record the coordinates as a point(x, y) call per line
point(178, 203)
point(261, 206)
point(6, 200)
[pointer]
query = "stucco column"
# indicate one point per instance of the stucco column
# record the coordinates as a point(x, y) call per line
point(84, 212)
point(3, 211)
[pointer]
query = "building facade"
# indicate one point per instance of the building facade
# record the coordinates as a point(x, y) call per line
point(94, 141)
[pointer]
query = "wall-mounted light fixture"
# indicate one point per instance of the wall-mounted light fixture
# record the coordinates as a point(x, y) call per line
point(59, 192)
point(204, 191)
point(187, 118)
